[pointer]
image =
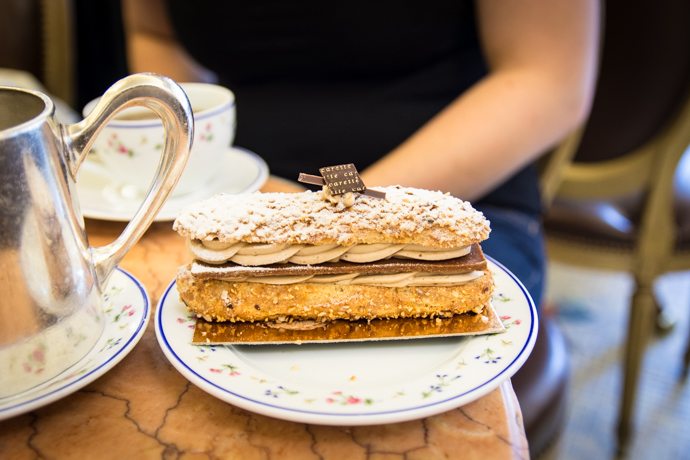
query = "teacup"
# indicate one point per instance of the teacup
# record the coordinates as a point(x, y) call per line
point(129, 146)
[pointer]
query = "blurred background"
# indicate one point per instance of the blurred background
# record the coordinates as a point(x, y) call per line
point(611, 365)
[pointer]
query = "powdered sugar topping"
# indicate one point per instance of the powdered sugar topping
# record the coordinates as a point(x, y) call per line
point(407, 215)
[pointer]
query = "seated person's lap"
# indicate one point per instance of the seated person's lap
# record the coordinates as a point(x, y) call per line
point(516, 241)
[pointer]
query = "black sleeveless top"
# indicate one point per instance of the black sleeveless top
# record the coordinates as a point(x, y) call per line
point(319, 83)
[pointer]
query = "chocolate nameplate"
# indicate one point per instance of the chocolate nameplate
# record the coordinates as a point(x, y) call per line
point(342, 179)
point(309, 179)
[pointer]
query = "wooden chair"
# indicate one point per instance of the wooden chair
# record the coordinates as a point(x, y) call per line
point(620, 204)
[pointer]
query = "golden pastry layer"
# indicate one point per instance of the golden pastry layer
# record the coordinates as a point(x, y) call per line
point(217, 300)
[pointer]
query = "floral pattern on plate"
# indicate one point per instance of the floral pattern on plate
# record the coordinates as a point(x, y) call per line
point(125, 304)
point(355, 384)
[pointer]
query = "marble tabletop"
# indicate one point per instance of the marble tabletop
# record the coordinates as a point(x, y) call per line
point(143, 408)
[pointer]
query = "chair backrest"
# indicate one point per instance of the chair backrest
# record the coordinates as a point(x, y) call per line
point(638, 131)
point(643, 78)
point(642, 92)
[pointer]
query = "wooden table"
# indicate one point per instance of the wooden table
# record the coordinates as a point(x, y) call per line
point(143, 408)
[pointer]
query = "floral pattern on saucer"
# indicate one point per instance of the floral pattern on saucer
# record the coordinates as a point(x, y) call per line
point(354, 384)
point(125, 304)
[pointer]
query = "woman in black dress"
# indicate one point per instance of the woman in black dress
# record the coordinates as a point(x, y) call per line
point(435, 94)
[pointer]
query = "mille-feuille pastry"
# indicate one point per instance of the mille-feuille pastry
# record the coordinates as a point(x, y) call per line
point(285, 257)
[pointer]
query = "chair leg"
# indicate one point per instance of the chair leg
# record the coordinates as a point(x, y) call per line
point(686, 359)
point(642, 314)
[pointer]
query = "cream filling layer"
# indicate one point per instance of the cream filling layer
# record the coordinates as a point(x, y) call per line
point(385, 280)
point(256, 254)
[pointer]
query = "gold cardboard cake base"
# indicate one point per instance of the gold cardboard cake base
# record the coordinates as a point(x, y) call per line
point(259, 333)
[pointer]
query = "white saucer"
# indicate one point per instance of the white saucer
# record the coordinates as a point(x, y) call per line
point(241, 171)
point(126, 306)
point(355, 384)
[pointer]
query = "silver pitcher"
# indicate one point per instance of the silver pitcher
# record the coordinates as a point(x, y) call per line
point(50, 278)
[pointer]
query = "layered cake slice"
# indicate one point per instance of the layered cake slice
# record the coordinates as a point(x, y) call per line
point(314, 256)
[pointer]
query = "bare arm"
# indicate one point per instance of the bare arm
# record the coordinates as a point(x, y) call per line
point(542, 65)
point(152, 46)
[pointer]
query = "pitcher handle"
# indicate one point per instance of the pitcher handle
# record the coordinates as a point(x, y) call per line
point(170, 103)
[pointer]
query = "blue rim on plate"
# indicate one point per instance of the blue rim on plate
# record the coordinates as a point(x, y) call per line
point(270, 402)
point(114, 344)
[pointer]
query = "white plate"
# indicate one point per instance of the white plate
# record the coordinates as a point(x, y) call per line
point(126, 306)
point(241, 171)
point(355, 384)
